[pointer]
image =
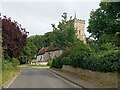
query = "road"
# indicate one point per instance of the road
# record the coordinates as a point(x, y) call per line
point(40, 78)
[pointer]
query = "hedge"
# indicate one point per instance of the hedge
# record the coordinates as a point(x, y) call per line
point(109, 62)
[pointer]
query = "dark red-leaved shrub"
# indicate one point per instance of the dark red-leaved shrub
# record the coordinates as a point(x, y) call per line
point(14, 37)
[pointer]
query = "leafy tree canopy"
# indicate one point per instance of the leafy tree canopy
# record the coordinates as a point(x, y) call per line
point(14, 37)
point(64, 32)
point(104, 23)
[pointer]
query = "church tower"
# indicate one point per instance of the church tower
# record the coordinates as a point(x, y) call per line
point(79, 26)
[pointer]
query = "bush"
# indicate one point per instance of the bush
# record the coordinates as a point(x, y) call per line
point(60, 61)
point(75, 59)
point(10, 65)
point(49, 63)
point(84, 57)
point(66, 61)
point(7, 66)
point(57, 63)
point(15, 62)
point(110, 62)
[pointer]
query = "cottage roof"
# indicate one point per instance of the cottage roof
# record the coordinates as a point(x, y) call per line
point(47, 49)
point(42, 51)
point(52, 49)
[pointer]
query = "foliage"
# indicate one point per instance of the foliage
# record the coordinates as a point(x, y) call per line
point(57, 63)
point(84, 57)
point(62, 36)
point(28, 53)
point(10, 65)
point(48, 39)
point(34, 43)
point(13, 42)
point(14, 37)
point(9, 69)
point(49, 63)
point(37, 41)
point(104, 24)
point(15, 62)
point(110, 62)
point(64, 32)
point(102, 52)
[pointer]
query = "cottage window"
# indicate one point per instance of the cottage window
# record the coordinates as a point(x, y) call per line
point(79, 32)
point(40, 57)
point(49, 53)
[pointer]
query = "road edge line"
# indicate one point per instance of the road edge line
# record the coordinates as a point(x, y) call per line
point(67, 79)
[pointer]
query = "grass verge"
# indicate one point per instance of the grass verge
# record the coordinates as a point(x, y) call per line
point(0, 79)
point(95, 82)
point(8, 74)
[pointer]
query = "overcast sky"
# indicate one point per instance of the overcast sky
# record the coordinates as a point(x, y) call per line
point(37, 17)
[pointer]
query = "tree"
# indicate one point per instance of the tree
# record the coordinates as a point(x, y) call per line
point(28, 53)
point(49, 38)
point(14, 37)
point(64, 33)
point(103, 23)
point(37, 40)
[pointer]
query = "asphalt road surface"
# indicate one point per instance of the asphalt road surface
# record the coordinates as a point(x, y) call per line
point(40, 78)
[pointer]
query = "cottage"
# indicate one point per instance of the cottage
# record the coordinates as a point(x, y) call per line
point(48, 53)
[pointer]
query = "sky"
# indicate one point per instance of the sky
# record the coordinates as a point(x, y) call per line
point(37, 17)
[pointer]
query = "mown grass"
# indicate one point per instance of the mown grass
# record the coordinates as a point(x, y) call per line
point(39, 65)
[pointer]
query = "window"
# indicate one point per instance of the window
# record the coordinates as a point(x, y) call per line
point(79, 31)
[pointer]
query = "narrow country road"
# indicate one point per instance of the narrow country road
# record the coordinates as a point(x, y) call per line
point(39, 78)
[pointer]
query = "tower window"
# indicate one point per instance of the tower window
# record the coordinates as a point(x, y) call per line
point(79, 32)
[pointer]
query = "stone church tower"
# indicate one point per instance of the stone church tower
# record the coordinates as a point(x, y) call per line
point(80, 28)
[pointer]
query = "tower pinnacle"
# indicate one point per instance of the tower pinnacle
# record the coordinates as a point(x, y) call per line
point(75, 16)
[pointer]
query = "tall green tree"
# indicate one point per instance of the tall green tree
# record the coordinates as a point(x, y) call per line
point(28, 54)
point(64, 32)
point(37, 40)
point(48, 39)
point(104, 25)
